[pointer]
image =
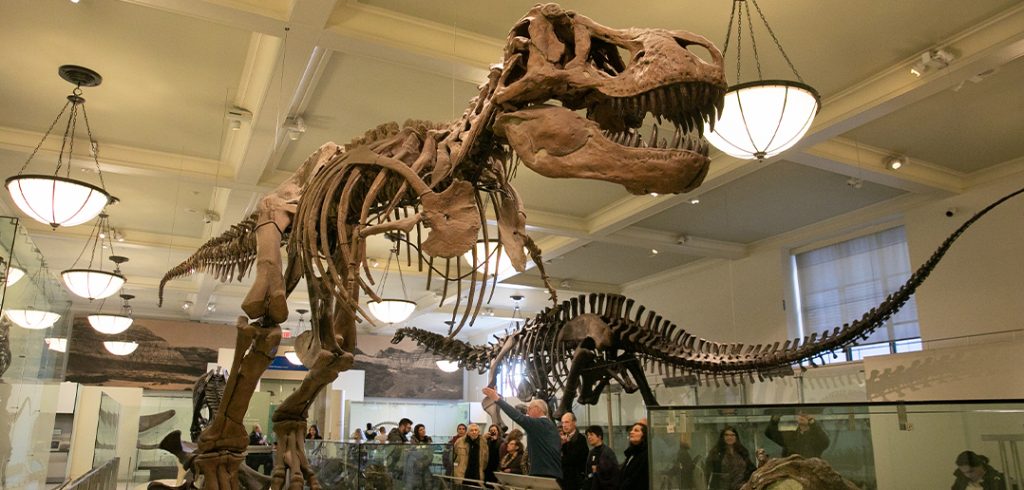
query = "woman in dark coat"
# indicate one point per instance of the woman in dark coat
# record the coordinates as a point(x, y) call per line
point(974, 468)
point(728, 465)
point(634, 473)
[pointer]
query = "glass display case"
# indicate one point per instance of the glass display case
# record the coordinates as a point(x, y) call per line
point(32, 360)
point(874, 445)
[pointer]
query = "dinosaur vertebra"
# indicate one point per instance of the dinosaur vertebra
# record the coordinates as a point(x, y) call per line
point(399, 180)
point(578, 346)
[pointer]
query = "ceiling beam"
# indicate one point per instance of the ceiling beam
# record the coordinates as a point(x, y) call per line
point(842, 156)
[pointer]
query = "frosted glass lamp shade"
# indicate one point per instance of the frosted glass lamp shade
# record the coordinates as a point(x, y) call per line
point(390, 310)
point(56, 344)
point(32, 319)
point(497, 263)
point(57, 201)
point(120, 348)
point(293, 358)
point(448, 366)
point(764, 118)
point(92, 283)
point(14, 274)
point(110, 324)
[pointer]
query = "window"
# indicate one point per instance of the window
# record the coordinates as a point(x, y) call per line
point(838, 283)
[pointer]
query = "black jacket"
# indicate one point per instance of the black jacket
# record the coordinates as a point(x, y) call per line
point(634, 473)
point(809, 444)
point(607, 475)
point(574, 462)
point(993, 480)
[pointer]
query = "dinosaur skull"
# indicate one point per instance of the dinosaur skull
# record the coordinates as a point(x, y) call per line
point(558, 62)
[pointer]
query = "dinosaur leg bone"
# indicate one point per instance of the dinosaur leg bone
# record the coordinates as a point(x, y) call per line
point(267, 294)
point(222, 443)
point(291, 465)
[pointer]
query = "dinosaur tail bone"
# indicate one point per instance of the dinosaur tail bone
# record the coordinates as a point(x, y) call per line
point(228, 256)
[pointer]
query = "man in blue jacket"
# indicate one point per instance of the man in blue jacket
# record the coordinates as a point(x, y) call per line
point(542, 435)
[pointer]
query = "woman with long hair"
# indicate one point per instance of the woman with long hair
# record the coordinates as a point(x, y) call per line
point(419, 435)
point(633, 473)
point(728, 464)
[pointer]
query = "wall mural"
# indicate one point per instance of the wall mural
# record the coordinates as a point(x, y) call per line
point(404, 371)
point(171, 354)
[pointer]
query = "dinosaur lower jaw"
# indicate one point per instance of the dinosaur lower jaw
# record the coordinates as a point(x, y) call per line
point(559, 143)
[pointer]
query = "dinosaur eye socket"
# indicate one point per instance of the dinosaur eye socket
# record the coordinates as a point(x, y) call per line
point(696, 50)
point(639, 54)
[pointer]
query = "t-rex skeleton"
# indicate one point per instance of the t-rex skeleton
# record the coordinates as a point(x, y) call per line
point(444, 178)
point(580, 345)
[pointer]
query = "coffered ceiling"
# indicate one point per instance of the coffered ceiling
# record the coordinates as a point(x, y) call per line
point(173, 68)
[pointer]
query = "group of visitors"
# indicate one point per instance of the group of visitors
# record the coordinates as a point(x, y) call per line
point(403, 433)
point(265, 459)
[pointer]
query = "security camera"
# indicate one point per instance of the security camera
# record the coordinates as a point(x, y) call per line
point(950, 212)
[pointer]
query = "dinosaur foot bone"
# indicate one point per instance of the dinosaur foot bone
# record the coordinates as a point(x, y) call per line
point(291, 467)
point(223, 435)
point(219, 469)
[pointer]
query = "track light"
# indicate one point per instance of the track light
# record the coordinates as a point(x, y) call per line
point(295, 127)
point(236, 116)
point(895, 162)
point(935, 59)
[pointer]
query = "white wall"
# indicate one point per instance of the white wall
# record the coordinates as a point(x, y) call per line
point(977, 287)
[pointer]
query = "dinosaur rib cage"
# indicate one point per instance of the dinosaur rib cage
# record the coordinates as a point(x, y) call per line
point(665, 348)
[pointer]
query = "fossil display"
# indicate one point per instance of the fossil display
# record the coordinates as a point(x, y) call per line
point(207, 393)
point(579, 346)
point(797, 473)
point(439, 180)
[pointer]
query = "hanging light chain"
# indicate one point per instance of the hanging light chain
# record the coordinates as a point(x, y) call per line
point(48, 131)
point(95, 150)
point(776, 40)
point(753, 44)
point(736, 16)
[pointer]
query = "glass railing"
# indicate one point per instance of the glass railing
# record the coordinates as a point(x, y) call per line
point(874, 445)
point(344, 465)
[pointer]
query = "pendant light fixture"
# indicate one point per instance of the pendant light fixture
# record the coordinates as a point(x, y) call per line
point(445, 365)
point(58, 344)
point(448, 366)
point(55, 199)
point(292, 356)
point(498, 261)
point(110, 323)
point(93, 283)
point(392, 310)
point(761, 118)
point(10, 273)
point(35, 317)
point(119, 348)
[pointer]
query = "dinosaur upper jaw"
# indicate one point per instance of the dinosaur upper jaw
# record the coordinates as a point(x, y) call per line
point(559, 143)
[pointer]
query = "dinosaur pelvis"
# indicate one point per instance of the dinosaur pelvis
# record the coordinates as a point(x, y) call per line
point(453, 219)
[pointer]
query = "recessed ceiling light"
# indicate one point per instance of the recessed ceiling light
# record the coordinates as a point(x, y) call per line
point(654, 251)
point(694, 200)
point(895, 162)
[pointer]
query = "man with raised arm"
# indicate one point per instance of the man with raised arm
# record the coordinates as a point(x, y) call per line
point(545, 445)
